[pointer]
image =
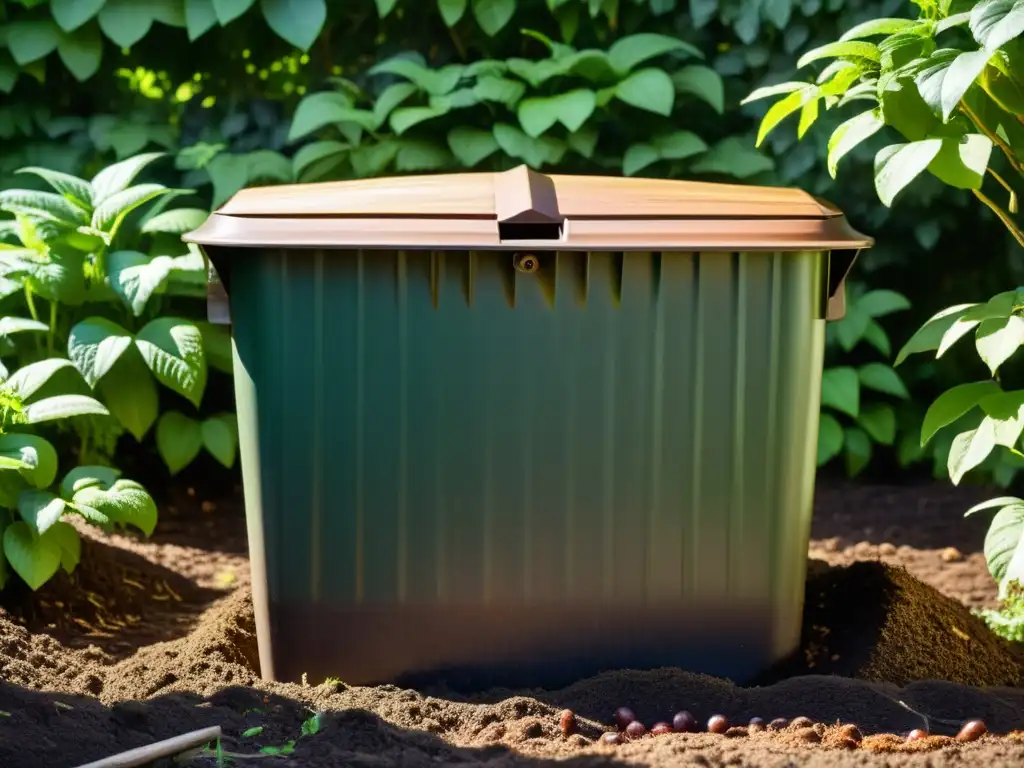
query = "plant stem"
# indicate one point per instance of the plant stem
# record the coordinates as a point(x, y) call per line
point(993, 137)
point(31, 303)
point(53, 328)
point(1004, 217)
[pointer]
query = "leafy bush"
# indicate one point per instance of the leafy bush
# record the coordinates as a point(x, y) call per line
point(1008, 622)
point(843, 387)
point(954, 105)
point(36, 539)
point(96, 321)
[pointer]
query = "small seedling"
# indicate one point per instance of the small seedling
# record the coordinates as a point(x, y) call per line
point(250, 732)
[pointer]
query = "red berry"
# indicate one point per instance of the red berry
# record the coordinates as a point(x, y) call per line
point(718, 724)
point(636, 729)
point(660, 729)
point(972, 731)
point(684, 722)
point(917, 734)
point(623, 717)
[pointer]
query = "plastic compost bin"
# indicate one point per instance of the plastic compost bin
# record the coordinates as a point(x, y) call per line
point(516, 428)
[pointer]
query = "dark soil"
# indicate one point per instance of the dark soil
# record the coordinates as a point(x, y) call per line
point(64, 702)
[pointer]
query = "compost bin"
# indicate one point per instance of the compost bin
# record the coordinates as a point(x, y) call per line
point(517, 428)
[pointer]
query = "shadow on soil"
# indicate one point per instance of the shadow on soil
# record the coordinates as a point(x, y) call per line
point(59, 731)
point(928, 516)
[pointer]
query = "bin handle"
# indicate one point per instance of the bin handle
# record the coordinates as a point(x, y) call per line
point(839, 264)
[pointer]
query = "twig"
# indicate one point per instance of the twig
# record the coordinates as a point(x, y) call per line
point(152, 752)
point(1003, 216)
point(928, 720)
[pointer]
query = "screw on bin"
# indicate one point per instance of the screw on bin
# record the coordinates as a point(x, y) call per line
point(526, 262)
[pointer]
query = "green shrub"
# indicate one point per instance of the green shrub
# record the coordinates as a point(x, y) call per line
point(36, 539)
point(951, 83)
point(93, 312)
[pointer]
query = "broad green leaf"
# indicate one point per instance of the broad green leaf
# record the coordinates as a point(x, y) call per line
point(373, 159)
point(858, 450)
point(849, 134)
point(679, 145)
point(178, 439)
point(1006, 409)
point(783, 109)
point(327, 108)
point(135, 277)
point(404, 118)
point(881, 378)
point(229, 10)
point(626, 52)
point(879, 421)
point(111, 212)
point(78, 191)
point(877, 337)
point(878, 27)
point(384, 7)
point(200, 18)
point(638, 157)
point(297, 22)
point(126, 22)
point(176, 222)
point(471, 145)
point(960, 76)
point(94, 345)
point(969, 449)
point(31, 39)
point(131, 394)
point(808, 115)
point(40, 509)
point(851, 328)
point(43, 205)
point(36, 453)
point(9, 325)
point(452, 11)
point(499, 89)
point(583, 141)
point(773, 90)
point(702, 82)
point(421, 155)
point(1004, 546)
point(534, 152)
point(33, 558)
point(71, 14)
point(956, 331)
point(436, 82)
point(87, 476)
point(572, 109)
point(217, 346)
point(173, 351)
point(28, 379)
point(116, 178)
point(66, 537)
point(63, 407)
point(391, 97)
point(954, 403)
point(1003, 501)
point(733, 156)
point(830, 438)
point(962, 161)
point(995, 22)
point(60, 276)
point(929, 336)
point(899, 164)
point(493, 15)
point(998, 338)
point(220, 438)
point(847, 49)
point(649, 89)
point(125, 502)
point(315, 160)
point(882, 302)
point(840, 389)
point(81, 52)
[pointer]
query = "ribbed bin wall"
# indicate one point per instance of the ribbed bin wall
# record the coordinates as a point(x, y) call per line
point(451, 465)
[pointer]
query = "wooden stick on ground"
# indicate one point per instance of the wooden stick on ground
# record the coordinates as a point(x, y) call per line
point(152, 752)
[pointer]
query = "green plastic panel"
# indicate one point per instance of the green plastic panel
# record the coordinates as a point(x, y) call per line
point(455, 467)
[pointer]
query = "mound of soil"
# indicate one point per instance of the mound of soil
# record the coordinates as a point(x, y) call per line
point(877, 622)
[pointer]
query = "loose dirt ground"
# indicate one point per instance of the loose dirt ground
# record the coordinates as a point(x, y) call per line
point(150, 639)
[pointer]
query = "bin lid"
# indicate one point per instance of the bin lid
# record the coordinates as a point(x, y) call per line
point(525, 208)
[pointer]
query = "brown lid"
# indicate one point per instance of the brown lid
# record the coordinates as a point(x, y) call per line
point(522, 207)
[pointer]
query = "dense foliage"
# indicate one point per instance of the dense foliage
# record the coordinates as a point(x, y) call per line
point(363, 87)
point(951, 83)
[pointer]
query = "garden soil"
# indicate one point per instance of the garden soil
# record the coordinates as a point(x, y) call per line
point(889, 644)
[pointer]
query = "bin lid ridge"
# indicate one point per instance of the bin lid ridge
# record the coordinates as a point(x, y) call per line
point(464, 210)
